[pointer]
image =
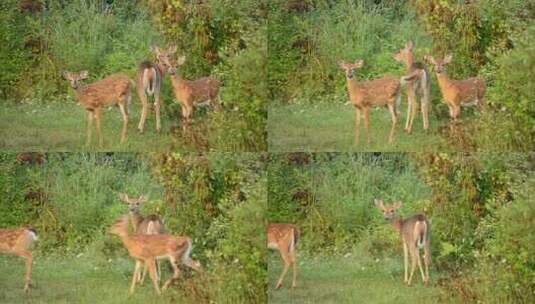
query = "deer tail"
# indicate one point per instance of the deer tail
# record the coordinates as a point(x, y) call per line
point(423, 235)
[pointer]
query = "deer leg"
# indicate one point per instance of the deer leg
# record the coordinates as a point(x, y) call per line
point(157, 106)
point(420, 265)
point(392, 109)
point(135, 276)
point(153, 276)
point(287, 262)
point(425, 109)
point(124, 112)
point(98, 118)
point(141, 277)
point(357, 125)
point(176, 273)
point(409, 105)
point(412, 108)
point(29, 259)
point(367, 124)
point(90, 116)
point(413, 255)
point(294, 265)
point(144, 109)
point(406, 262)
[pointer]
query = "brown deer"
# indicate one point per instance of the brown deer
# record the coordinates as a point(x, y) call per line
point(112, 90)
point(284, 238)
point(150, 78)
point(415, 234)
point(421, 86)
point(374, 93)
point(19, 242)
point(457, 93)
point(191, 93)
point(147, 249)
point(151, 224)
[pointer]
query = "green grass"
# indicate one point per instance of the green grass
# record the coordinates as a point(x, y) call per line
point(80, 279)
point(352, 279)
point(62, 127)
point(325, 127)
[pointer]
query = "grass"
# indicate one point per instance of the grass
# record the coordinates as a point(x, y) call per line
point(351, 279)
point(62, 127)
point(79, 279)
point(330, 127)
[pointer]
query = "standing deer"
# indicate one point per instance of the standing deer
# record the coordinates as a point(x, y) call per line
point(147, 249)
point(18, 242)
point(374, 93)
point(150, 78)
point(422, 86)
point(112, 90)
point(457, 93)
point(151, 224)
point(284, 238)
point(190, 93)
point(415, 234)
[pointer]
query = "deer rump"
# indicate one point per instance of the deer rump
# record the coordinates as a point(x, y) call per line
point(105, 91)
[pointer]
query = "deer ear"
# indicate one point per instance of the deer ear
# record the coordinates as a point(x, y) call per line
point(171, 49)
point(342, 64)
point(379, 203)
point(181, 60)
point(448, 58)
point(84, 74)
point(359, 63)
point(66, 75)
point(409, 45)
point(397, 205)
point(143, 198)
point(155, 50)
point(124, 197)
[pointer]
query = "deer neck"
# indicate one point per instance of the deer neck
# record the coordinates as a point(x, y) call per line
point(397, 223)
point(135, 220)
point(443, 81)
point(161, 69)
point(409, 62)
point(354, 88)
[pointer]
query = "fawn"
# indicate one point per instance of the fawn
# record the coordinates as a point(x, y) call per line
point(112, 90)
point(149, 83)
point(18, 242)
point(421, 86)
point(457, 93)
point(148, 248)
point(374, 93)
point(151, 224)
point(415, 234)
point(191, 93)
point(284, 238)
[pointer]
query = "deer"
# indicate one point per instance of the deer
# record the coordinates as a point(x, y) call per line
point(415, 234)
point(191, 93)
point(284, 238)
point(369, 94)
point(18, 241)
point(148, 248)
point(150, 76)
point(110, 91)
point(421, 86)
point(151, 224)
point(457, 93)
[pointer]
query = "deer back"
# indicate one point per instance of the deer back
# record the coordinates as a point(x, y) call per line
point(195, 91)
point(461, 91)
point(152, 224)
point(280, 232)
point(146, 246)
point(378, 92)
point(105, 92)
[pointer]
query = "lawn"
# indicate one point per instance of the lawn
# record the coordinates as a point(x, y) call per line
point(324, 127)
point(62, 127)
point(81, 279)
point(351, 279)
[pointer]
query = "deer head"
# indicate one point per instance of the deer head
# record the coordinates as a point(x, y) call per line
point(165, 57)
point(389, 211)
point(349, 68)
point(133, 203)
point(405, 54)
point(439, 64)
point(75, 78)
